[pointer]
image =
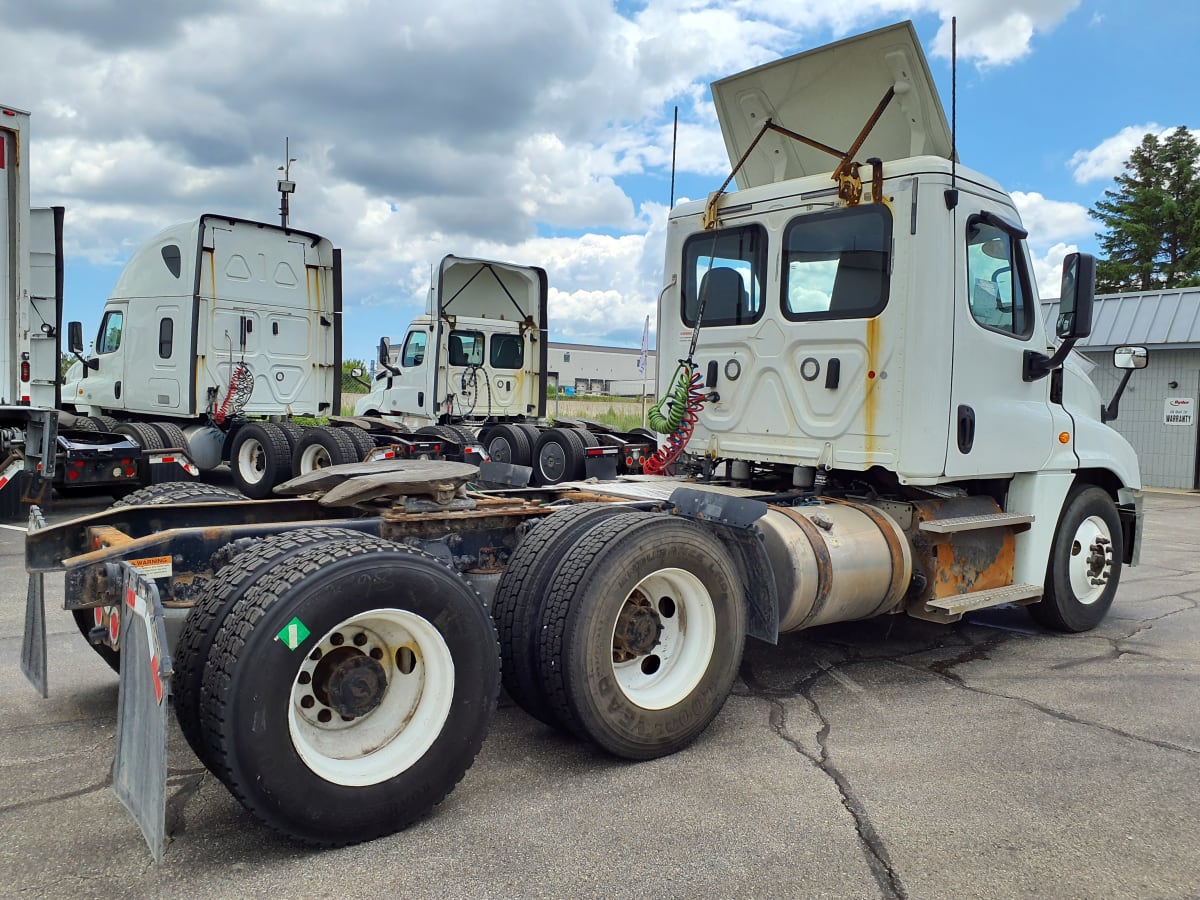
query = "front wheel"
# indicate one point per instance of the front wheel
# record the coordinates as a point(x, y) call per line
point(1085, 563)
point(349, 691)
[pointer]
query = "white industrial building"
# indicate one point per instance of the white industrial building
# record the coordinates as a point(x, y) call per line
point(610, 371)
point(1157, 412)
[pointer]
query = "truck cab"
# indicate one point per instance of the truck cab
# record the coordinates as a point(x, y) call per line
point(478, 354)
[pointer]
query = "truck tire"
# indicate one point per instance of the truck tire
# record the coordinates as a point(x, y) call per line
point(1085, 563)
point(258, 459)
point(520, 600)
point(178, 492)
point(85, 423)
point(293, 433)
point(642, 634)
point(379, 710)
point(509, 444)
point(167, 493)
point(142, 434)
point(363, 444)
point(321, 448)
point(105, 423)
point(172, 435)
point(463, 434)
point(532, 433)
point(226, 589)
point(558, 456)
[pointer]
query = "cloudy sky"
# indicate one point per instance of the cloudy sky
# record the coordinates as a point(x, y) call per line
point(532, 131)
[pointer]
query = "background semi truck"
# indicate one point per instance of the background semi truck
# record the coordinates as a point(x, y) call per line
point(40, 449)
point(473, 368)
point(868, 419)
point(213, 326)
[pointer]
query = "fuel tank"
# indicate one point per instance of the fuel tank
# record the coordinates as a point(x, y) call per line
point(835, 562)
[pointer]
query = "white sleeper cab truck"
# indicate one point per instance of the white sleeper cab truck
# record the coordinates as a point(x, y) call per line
point(868, 419)
point(471, 372)
point(478, 354)
point(40, 449)
point(213, 325)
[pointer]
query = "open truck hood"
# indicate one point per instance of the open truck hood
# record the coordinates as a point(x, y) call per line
point(828, 94)
point(486, 289)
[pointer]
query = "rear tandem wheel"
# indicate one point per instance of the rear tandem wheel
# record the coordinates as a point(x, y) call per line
point(349, 691)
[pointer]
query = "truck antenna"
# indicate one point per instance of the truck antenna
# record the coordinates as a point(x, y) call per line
point(285, 185)
point(674, 144)
point(952, 194)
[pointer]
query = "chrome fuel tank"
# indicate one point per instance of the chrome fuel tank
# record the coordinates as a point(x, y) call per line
point(835, 562)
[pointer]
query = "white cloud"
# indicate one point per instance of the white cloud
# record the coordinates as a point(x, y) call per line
point(466, 128)
point(1049, 221)
point(1047, 269)
point(1106, 160)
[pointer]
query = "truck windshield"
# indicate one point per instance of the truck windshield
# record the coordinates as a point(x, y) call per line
point(836, 264)
point(726, 269)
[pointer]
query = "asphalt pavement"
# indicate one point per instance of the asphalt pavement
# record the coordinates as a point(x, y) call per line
point(891, 758)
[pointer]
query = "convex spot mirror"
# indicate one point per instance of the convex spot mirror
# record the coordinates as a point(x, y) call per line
point(356, 372)
point(1131, 357)
point(1075, 297)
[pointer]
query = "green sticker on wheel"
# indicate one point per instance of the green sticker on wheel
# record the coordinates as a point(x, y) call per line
point(293, 634)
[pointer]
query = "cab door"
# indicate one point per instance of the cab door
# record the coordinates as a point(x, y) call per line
point(104, 386)
point(999, 423)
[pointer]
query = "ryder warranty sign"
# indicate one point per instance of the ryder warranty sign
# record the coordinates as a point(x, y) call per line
point(1178, 411)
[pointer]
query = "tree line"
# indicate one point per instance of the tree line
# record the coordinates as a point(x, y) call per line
point(1151, 218)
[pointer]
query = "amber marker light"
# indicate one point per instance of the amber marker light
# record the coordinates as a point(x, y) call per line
point(1064, 437)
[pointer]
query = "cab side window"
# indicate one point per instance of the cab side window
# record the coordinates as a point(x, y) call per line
point(110, 332)
point(414, 349)
point(998, 291)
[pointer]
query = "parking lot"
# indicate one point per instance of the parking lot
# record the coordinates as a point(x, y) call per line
point(890, 758)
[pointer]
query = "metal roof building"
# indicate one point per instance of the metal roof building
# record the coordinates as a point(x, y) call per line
point(1157, 413)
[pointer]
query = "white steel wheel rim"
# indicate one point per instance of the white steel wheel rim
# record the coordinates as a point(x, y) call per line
point(252, 462)
point(392, 737)
point(663, 675)
point(1090, 560)
point(314, 457)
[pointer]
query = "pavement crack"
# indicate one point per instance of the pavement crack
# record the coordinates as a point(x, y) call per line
point(957, 681)
point(189, 784)
point(878, 860)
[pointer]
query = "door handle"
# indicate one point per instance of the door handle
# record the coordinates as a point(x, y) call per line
point(966, 429)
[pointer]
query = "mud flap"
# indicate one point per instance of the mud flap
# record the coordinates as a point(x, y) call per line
point(140, 763)
point(33, 640)
point(503, 475)
point(732, 519)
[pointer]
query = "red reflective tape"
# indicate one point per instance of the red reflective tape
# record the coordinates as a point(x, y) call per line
point(3, 481)
point(158, 686)
point(130, 598)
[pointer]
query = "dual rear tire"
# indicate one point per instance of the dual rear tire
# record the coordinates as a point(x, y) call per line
point(637, 636)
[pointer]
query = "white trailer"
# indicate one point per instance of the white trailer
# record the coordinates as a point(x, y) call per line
point(39, 448)
point(869, 419)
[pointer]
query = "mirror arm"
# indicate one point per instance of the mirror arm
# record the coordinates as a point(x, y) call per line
point(1109, 413)
point(1039, 365)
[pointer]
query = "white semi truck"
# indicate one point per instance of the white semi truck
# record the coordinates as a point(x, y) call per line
point(213, 326)
point(868, 419)
point(472, 368)
point(39, 448)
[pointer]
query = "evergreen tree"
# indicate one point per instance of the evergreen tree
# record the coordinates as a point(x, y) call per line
point(1152, 219)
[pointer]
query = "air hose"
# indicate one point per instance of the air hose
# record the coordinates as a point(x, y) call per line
point(675, 415)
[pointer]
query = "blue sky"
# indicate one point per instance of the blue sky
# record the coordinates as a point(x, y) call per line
point(532, 131)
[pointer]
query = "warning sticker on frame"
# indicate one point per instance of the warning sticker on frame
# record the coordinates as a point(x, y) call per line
point(1178, 411)
point(153, 566)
